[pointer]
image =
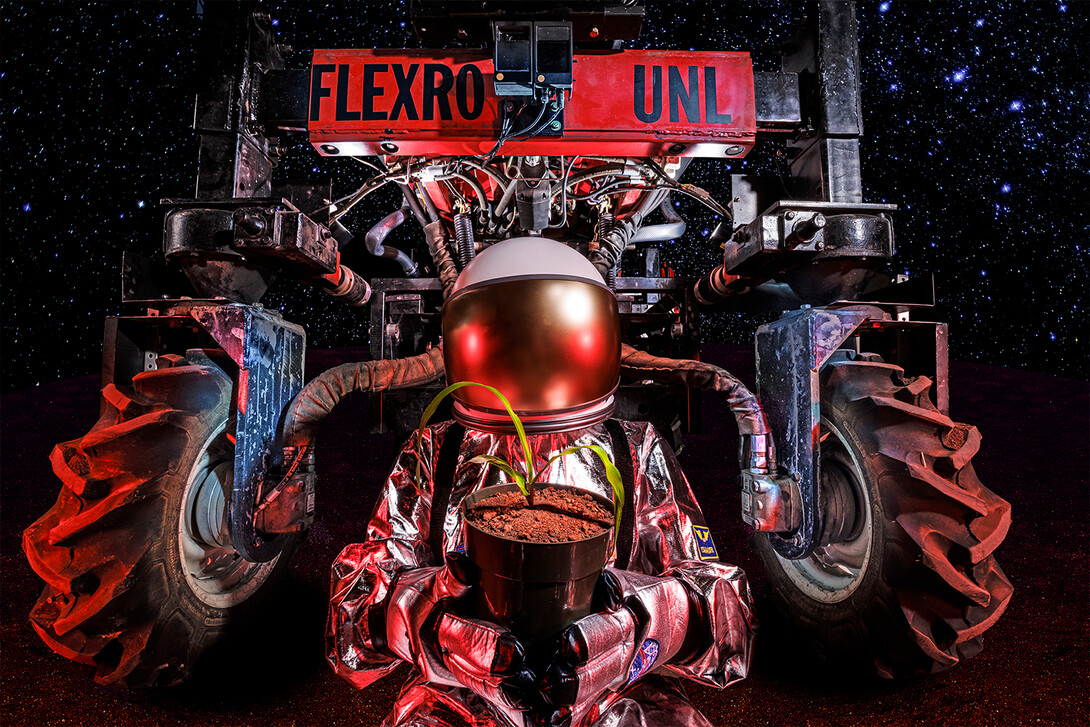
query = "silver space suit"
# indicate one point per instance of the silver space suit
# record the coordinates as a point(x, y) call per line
point(675, 609)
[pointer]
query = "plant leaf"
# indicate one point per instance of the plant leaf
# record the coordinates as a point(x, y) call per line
point(502, 464)
point(612, 474)
point(614, 477)
point(527, 482)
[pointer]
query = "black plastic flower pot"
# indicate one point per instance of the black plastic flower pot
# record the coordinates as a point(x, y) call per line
point(534, 589)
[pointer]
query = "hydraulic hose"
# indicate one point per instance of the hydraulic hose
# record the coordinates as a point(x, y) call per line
point(756, 452)
point(413, 203)
point(666, 207)
point(671, 230)
point(440, 255)
point(495, 176)
point(717, 285)
point(349, 288)
point(373, 240)
point(601, 228)
point(505, 200)
point(473, 184)
point(317, 399)
point(429, 205)
point(659, 233)
point(613, 244)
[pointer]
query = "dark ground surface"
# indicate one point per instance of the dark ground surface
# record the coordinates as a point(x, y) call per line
point(1034, 670)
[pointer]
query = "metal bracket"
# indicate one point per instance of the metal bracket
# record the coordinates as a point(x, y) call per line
point(289, 508)
point(269, 353)
point(790, 354)
point(284, 234)
point(405, 316)
point(790, 233)
point(770, 504)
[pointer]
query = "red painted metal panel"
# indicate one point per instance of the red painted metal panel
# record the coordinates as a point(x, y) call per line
point(623, 103)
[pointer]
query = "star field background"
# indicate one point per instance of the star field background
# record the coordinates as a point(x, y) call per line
point(976, 125)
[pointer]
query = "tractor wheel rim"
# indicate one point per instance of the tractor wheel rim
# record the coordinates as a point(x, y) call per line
point(217, 574)
point(834, 571)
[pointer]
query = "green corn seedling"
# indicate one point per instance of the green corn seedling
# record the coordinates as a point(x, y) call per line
point(527, 479)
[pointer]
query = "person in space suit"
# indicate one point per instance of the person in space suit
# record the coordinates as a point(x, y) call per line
point(533, 318)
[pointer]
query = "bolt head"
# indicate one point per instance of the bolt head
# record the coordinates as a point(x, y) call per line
point(555, 126)
point(252, 224)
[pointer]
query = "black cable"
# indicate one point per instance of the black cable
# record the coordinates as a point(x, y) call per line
point(535, 128)
point(620, 185)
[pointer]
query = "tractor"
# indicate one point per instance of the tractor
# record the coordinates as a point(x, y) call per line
point(187, 499)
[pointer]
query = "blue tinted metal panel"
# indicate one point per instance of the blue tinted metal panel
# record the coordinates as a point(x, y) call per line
point(269, 352)
point(790, 354)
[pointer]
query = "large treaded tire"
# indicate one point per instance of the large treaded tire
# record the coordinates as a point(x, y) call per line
point(911, 589)
point(123, 592)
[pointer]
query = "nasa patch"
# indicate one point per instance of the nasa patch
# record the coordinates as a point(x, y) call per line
point(704, 543)
point(645, 659)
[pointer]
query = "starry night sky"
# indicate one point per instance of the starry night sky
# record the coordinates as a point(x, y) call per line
point(976, 120)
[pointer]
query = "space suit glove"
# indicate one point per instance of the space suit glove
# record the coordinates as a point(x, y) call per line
point(648, 621)
point(414, 603)
point(486, 659)
point(426, 624)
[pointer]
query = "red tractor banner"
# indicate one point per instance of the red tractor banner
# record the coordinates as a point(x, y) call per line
point(630, 103)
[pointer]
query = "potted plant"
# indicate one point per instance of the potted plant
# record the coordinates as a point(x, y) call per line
point(539, 548)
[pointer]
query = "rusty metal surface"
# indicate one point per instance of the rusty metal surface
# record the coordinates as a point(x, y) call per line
point(285, 234)
point(770, 504)
point(269, 353)
point(790, 354)
point(290, 506)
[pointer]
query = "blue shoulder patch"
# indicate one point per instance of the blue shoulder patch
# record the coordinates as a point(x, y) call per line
point(644, 660)
point(704, 543)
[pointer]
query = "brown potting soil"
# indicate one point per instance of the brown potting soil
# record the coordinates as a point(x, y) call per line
point(557, 516)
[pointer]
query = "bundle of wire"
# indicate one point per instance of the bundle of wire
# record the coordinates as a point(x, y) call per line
point(539, 124)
